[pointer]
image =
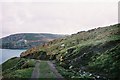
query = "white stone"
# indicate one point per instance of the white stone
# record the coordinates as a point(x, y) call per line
point(62, 45)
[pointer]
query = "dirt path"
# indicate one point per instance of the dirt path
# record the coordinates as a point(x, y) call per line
point(54, 70)
point(45, 69)
point(35, 73)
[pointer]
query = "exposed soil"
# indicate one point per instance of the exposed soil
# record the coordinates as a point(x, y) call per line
point(35, 73)
point(53, 69)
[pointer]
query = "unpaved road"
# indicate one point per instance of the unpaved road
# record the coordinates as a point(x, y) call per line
point(54, 70)
point(35, 73)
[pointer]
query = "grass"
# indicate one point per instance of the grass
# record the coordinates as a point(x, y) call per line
point(29, 63)
point(21, 73)
point(64, 72)
point(45, 71)
point(10, 63)
point(71, 74)
point(107, 63)
point(18, 68)
point(92, 51)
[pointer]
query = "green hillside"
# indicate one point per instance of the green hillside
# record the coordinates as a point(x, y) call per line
point(27, 40)
point(17, 68)
point(87, 54)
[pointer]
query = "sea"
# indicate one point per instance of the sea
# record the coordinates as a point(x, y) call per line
point(6, 54)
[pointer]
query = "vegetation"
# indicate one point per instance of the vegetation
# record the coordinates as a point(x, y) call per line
point(87, 54)
point(21, 73)
point(18, 68)
point(108, 63)
point(45, 71)
point(26, 40)
point(92, 54)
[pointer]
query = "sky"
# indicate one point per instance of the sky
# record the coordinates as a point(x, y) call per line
point(55, 16)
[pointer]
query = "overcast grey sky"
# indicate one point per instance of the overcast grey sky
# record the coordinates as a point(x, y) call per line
point(56, 17)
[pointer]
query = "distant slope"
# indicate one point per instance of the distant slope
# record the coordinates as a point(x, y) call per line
point(87, 54)
point(27, 40)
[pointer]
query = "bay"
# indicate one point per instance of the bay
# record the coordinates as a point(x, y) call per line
point(6, 54)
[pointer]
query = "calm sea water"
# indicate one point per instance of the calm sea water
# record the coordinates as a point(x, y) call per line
point(6, 54)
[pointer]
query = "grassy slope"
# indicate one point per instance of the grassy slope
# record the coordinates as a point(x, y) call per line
point(95, 36)
point(108, 63)
point(23, 68)
point(18, 68)
point(85, 54)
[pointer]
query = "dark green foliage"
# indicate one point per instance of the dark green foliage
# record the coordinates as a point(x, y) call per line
point(43, 55)
point(107, 63)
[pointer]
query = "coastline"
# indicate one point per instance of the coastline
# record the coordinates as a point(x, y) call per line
point(6, 54)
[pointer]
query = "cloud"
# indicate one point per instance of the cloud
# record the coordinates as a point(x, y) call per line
point(51, 17)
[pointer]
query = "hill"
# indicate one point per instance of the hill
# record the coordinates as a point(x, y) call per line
point(27, 40)
point(86, 54)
